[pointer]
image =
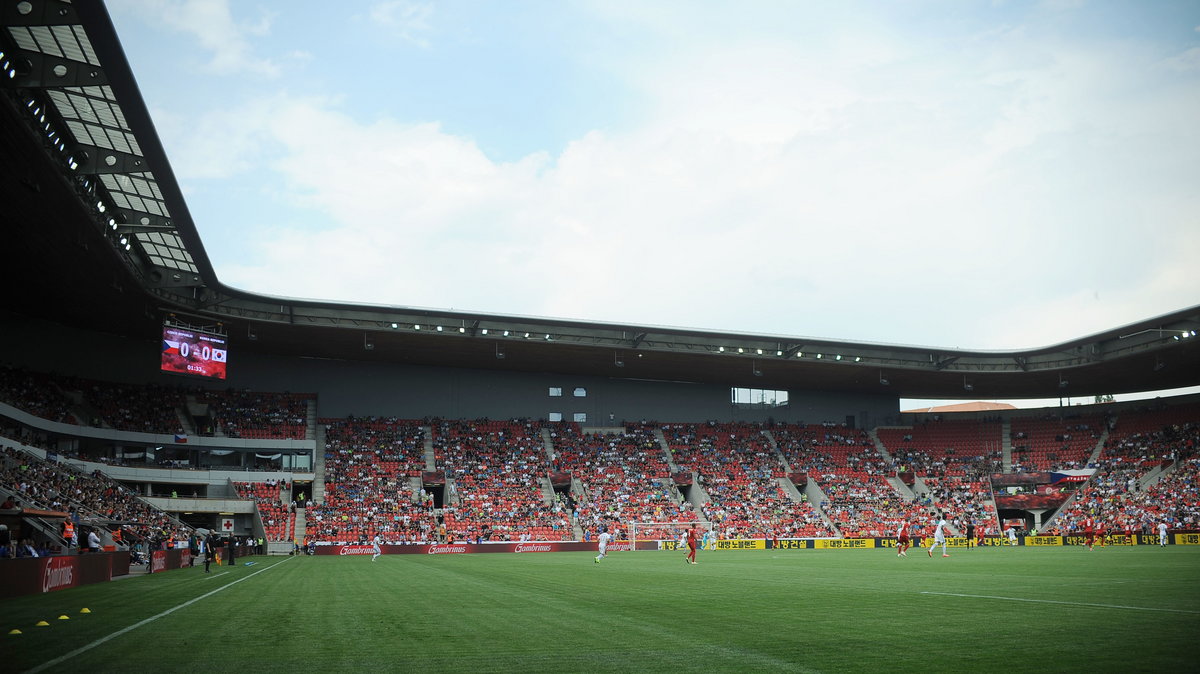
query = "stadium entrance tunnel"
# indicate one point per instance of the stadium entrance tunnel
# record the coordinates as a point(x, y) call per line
point(302, 492)
point(437, 488)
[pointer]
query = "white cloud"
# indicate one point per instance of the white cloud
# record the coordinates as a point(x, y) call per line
point(1018, 195)
point(1186, 61)
point(211, 24)
point(407, 20)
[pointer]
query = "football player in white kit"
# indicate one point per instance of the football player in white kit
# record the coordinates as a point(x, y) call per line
point(604, 538)
point(375, 549)
point(939, 536)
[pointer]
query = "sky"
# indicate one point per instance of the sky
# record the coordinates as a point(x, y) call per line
point(955, 174)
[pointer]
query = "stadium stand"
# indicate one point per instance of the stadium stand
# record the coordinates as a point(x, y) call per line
point(278, 519)
point(369, 490)
point(851, 474)
point(1147, 473)
point(257, 415)
point(739, 469)
point(1050, 443)
point(500, 482)
point(623, 478)
point(497, 472)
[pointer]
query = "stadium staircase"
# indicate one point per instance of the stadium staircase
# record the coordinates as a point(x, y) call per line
point(318, 483)
point(1006, 445)
point(778, 454)
point(1155, 474)
point(896, 483)
point(185, 422)
point(84, 412)
point(430, 455)
point(1098, 450)
point(815, 498)
point(311, 431)
point(1092, 459)
point(301, 525)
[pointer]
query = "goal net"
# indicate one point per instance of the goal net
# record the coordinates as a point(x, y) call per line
point(669, 535)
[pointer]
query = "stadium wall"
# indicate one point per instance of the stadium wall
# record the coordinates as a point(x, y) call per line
point(370, 388)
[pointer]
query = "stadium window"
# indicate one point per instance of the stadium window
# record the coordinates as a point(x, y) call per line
point(555, 392)
point(754, 397)
point(579, 417)
point(555, 416)
point(580, 392)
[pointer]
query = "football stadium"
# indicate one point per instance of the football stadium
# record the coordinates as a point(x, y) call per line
point(199, 476)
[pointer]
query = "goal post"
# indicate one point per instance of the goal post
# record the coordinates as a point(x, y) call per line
point(669, 532)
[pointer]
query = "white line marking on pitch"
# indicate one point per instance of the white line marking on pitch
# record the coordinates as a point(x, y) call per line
point(1065, 603)
point(83, 649)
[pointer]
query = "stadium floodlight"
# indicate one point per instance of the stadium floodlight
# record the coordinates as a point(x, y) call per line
point(100, 206)
point(416, 327)
point(720, 349)
point(819, 356)
point(484, 331)
point(838, 357)
point(461, 330)
point(858, 359)
point(760, 352)
point(439, 328)
point(741, 350)
point(395, 326)
point(506, 333)
point(527, 335)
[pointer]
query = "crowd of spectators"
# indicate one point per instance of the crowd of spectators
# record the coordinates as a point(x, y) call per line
point(278, 516)
point(624, 477)
point(144, 408)
point(1139, 443)
point(94, 498)
point(154, 408)
point(852, 476)
point(370, 464)
point(499, 473)
point(738, 468)
point(1048, 442)
point(35, 393)
point(257, 415)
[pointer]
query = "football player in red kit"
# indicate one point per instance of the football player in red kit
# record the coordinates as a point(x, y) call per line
point(691, 543)
point(902, 540)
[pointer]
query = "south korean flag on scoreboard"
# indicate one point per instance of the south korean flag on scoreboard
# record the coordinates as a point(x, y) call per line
point(218, 355)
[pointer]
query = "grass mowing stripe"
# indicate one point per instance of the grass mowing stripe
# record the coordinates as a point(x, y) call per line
point(745, 611)
point(1065, 603)
point(83, 649)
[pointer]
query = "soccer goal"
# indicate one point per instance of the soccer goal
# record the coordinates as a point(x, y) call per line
point(668, 534)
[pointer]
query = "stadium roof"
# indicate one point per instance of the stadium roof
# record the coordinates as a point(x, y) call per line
point(101, 237)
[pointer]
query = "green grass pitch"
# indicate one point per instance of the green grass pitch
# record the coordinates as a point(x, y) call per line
point(989, 609)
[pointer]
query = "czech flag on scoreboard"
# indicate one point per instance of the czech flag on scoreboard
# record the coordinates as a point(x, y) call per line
point(181, 438)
